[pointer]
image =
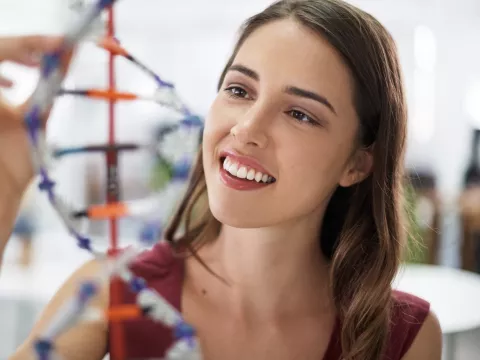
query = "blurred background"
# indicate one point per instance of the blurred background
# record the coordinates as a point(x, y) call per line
point(188, 42)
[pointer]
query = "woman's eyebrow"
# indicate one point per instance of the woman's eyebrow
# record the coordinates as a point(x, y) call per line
point(245, 71)
point(292, 90)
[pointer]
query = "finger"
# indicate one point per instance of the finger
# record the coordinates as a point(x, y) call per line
point(34, 47)
point(28, 50)
point(30, 59)
point(5, 83)
point(41, 43)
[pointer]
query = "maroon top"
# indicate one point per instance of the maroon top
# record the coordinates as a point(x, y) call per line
point(164, 273)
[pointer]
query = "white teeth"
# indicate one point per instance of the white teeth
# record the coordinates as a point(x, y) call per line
point(233, 168)
point(242, 172)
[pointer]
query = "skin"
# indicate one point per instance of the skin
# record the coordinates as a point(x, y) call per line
point(15, 165)
point(275, 289)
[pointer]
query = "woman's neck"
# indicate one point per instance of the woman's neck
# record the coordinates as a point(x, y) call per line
point(270, 272)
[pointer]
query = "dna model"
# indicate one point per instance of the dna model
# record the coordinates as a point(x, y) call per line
point(148, 302)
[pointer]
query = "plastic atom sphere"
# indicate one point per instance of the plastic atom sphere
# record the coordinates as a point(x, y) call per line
point(148, 302)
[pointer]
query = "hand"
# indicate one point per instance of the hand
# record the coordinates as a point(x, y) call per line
point(16, 169)
point(25, 50)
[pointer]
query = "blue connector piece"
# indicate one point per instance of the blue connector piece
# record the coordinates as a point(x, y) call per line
point(162, 83)
point(84, 243)
point(102, 4)
point(43, 348)
point(150, 233)
point(138, 284)
point(46, 184)
point(50, 63)
point(192, 121)
point(32, 122)
point(183, 331)
point(181, 170)
point(87, 290)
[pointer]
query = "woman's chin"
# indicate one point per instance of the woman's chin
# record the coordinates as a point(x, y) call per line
point(238, 218)
point(241, 222)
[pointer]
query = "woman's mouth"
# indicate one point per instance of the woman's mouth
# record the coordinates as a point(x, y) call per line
point(244, 172)
point(238, 176)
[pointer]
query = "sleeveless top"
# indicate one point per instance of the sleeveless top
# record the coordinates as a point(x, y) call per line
point(164, 272)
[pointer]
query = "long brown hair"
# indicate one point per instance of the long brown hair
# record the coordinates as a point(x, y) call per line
point(362, 232)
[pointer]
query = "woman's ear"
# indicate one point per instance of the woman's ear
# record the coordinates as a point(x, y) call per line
point(358, 168)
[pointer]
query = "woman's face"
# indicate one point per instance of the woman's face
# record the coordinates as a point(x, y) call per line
point(281, 133)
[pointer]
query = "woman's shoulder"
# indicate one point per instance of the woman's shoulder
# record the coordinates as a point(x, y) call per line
point(408, 317)
point(408, 309)
point(161, 269)
point(160, 260)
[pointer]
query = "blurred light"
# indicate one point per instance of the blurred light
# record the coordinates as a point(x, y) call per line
point(425, 53)
point(472, 104)
point(425, 48)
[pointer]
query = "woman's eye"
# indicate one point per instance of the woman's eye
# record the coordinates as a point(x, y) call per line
point(237, 92)
point(302, 117)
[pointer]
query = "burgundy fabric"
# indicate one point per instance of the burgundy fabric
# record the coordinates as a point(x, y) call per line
point(408, 315)
point(164, 273)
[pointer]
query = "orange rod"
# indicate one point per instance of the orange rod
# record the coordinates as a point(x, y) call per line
point(112, 46)
point(109, 210)
point(123, 312)
point(110, 95)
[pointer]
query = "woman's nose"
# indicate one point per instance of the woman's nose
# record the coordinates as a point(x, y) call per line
point(252, 129)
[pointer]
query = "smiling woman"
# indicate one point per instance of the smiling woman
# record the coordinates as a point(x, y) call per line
point(313, 93)
point(291, 223)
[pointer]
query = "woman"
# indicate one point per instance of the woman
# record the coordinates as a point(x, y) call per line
point(293, 209)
